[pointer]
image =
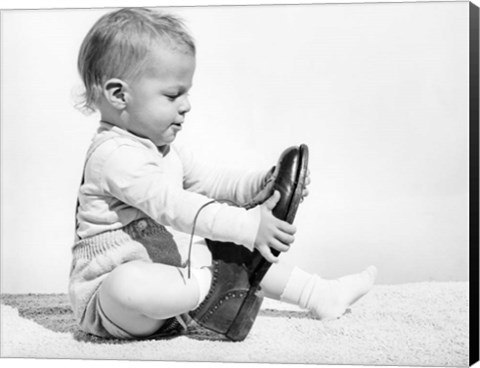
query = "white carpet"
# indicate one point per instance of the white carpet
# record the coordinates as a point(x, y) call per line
point(411, 324)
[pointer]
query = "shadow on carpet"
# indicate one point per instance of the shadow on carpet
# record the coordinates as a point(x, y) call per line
point(53, 311)
point(418, 324)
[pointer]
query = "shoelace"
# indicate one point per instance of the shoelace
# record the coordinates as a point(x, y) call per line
point(248, 206)
point(195, 224)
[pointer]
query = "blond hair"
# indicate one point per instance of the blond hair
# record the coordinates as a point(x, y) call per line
point(118, 46)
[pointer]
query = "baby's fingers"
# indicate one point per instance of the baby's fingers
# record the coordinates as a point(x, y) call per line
point(287, 228)
point(307, 178)
point(278, 245)
point(285, 238)
point(267, 253)
point(305, 191)
point(271, 202)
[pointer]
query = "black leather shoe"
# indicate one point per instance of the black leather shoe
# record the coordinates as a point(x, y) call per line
point(290, 176)
point(235, 297)
point(228, 292)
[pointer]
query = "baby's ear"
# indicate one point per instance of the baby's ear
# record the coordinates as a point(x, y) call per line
point(114, 92)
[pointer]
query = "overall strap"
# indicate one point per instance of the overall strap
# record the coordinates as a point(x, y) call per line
point(93, 147)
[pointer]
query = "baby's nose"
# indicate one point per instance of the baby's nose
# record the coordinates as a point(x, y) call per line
point(184, 106)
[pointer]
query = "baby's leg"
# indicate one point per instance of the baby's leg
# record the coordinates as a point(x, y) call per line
point(328, 299)
point(139, 296)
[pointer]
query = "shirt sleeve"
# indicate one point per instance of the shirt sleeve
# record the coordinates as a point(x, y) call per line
point(138, 178)
point(221, 183)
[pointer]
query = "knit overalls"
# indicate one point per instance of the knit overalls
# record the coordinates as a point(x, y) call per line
point(95, 257)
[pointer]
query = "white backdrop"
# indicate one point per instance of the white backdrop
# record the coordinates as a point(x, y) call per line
point(379, 92)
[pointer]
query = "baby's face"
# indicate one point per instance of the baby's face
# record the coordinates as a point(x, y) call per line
point(158, 100)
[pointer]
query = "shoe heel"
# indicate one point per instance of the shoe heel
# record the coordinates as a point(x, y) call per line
point(243, 322)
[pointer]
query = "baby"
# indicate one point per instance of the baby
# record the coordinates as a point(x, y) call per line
point(141, 192)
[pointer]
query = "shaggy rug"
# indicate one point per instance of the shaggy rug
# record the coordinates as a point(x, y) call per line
point(410, 324)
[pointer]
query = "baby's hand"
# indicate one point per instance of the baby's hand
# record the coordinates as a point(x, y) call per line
point(268, 187)
point(273, 232)
point(307, 183)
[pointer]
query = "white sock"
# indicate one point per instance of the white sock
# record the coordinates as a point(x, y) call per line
point(328, 299)
point(203, 276)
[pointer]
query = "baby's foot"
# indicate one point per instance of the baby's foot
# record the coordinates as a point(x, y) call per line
point(329, 299)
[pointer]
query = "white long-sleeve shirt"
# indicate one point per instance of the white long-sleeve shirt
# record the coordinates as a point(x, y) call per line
point(127, 178)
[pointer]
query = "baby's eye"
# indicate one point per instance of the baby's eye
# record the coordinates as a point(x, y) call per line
point(173, 97)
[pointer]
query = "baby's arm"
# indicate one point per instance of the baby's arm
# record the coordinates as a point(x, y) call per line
point(239, 186)
point(138, 179)
point(253, 188)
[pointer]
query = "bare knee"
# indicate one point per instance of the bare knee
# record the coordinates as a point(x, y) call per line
point(154, 290)
point(121, 302)
point(121, 286)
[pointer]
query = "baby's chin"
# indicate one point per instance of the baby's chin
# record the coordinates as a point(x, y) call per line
point(164, 141)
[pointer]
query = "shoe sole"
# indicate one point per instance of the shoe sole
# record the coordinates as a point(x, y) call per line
point(248, 312)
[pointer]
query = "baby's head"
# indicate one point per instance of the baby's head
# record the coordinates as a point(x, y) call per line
point(120, 43)
point(137, 66)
